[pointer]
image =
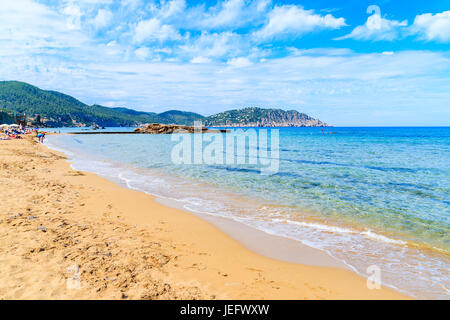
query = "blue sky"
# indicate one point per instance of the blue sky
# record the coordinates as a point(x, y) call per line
point(350, 62)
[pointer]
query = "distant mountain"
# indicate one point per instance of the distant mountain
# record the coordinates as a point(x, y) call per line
point(258, 117)
point(55, 109)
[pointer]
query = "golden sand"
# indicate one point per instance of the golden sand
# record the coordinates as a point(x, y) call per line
point(66, 234)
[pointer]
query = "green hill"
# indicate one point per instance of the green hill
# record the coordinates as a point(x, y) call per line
point(57, 109)
point(179, 117)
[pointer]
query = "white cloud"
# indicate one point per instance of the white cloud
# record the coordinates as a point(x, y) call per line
point(428, 26)
point(73, 13)
point(172, 8)
point(28, 28)
point(131, 5)
point(102, 19)
point(152, 29)
point(262, 5)
point(142, 52)
point(90, 2)
point(433, 27)
point(239, 62)
point(214, 45)
point(200, 60)
point(377, 28)
point(290, 19)
point(113, 48)
point(164, 50)
point(224, 14)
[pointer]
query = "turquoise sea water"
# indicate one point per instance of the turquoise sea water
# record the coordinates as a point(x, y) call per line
point(367, 196)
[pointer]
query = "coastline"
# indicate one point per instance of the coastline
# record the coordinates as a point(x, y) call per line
point(265, 244)
point(128, 245)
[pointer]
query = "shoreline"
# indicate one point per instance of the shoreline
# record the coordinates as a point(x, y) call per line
point(194, 258)
point(269, 245)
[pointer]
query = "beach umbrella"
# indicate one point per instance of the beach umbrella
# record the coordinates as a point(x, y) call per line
point(14, 125)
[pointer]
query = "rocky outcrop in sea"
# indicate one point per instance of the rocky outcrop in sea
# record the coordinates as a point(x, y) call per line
point(158, 128)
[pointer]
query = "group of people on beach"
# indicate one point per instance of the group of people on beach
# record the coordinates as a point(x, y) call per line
point(10, 132)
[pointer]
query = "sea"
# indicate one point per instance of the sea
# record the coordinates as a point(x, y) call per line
point(375, 198)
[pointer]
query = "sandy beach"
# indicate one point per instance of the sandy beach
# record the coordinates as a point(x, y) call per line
point(67, 234)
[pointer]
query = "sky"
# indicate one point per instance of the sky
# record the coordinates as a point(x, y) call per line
point(348, 63)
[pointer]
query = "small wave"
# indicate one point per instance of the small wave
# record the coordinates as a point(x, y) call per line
point(127, 181)
point(379, 237)
point(318, 226)
point(57, 148)
point(335, 229)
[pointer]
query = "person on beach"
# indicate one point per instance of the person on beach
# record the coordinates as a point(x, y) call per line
point(41, 137)
point(5, 137)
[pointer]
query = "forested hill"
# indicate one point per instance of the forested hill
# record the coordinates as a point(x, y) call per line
point(58, 109)
point(258, 117)
point(5, 118)
point(55, 109)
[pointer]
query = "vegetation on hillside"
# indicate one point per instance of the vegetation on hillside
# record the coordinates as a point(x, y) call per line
point(5, 117)
point(55, 109)
point(181, 117)
point(262, 118)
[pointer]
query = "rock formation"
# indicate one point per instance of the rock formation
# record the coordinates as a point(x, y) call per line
point(157, 128)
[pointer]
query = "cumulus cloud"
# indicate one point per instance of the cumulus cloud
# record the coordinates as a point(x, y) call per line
point(112, 48)
point(27, 27)
point(433, 27)
point(224, 14)
point(200, 59)
point(262, 5)
point(295, 20)
point(377, 28)
point(239, 62)
point(168, 9)
point(102, 19)
point(227, 13)
point(152, 29)
point(142, 52)
point(73, 13)
point(215, 45)
point(427, 26)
